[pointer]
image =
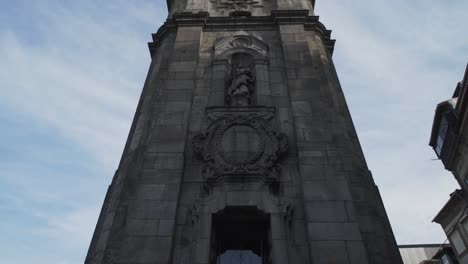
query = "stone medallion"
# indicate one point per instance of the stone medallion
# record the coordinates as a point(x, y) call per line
point(240, 142)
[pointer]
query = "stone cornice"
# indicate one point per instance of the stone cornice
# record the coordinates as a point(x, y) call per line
point(272, 22)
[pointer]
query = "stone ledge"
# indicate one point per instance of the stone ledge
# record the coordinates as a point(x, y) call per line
point(272, 22)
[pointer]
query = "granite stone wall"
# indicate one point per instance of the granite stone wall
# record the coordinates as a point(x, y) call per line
point(309, 175)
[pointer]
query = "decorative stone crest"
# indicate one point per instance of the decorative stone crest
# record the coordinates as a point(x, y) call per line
point(241, 40)
point(240, 144)
point(236, 5)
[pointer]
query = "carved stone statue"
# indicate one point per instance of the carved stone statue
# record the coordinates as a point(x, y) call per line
point(240, 90)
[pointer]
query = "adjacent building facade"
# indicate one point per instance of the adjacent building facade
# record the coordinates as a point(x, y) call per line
point(427, 254)
point(449, 139)
point(242, 149)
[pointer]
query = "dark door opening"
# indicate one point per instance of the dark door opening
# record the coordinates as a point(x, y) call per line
point(240, 236)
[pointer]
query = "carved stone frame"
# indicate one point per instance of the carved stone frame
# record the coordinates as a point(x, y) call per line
point(262, 166)
point(247, 43)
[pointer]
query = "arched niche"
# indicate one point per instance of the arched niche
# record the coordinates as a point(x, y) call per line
point(241, 58)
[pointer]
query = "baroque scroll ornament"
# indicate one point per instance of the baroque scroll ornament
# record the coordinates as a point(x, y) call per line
point(238, 5)
point(238, 145)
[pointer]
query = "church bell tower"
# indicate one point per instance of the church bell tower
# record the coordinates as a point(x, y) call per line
point(242, 149)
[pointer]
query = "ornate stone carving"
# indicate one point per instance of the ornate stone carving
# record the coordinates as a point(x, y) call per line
point(240, 144)
point(233, 6)
point(238, 5)
point(241, 40)
point(239, 92)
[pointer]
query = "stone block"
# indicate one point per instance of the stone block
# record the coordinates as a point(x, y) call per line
point(185, 66)
point(141, 227)
point(277, 227)
point(279, 101)
point(171, 193)
point(195, 125)
point(172, 107)
point(290, 190)
point(263, 88)
point(202, 251)
point(183, 75)
point(299, 232)
point(188, 34)
point(313, 160)
point(102, 241)
point(329, 190)
point(182, 255)
point(279, 251)
point(301, 108)
point(288, 37)
point(169, 161)
point(300, 255)
point(285, 174)
point(350, 210)
point(185, 51)
point(200, 102)
point(109, 220)
point(148, 162)
point(216, 99)
point(137, 249)
point(204, 226)
point(166, 227)
point(166, 146)
point(329, 252)
point(149, 209)
point(149, 191)
point(312, 172)
point(167, 132)
point(160, 176)
point(190, 192)
point(180, 84)
point(193, 173)
point(178, 95)
point(309, 72)
point(171, 118)
point(334, 231)
point(325, 211)
point(276, 77)
point(283, 114)
point(356, 252)
point(291, 29)
point(278, 89)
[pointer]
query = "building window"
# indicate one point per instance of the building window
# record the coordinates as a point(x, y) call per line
point(457, 242)
point(240, 236)
point(441, 135)
point(445, 259)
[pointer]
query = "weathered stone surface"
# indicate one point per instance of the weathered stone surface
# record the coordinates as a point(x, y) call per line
point(242, 127)
point(329, 231)
point(325, 252)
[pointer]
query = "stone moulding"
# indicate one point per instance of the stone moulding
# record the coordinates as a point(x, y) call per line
point(169, 3)
point(240, 145)
point(241, 40)
point(279, 17)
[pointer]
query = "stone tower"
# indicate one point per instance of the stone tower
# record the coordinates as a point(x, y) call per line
point(242, 149)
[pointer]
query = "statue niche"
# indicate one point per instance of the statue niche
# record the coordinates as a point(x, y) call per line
point(241, 85)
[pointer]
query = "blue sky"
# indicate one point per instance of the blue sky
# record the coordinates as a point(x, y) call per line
point(71, 73)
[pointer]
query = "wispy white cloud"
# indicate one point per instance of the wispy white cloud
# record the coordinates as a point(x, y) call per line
point(86, 74)
point(75, 74)
point(74, 229)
